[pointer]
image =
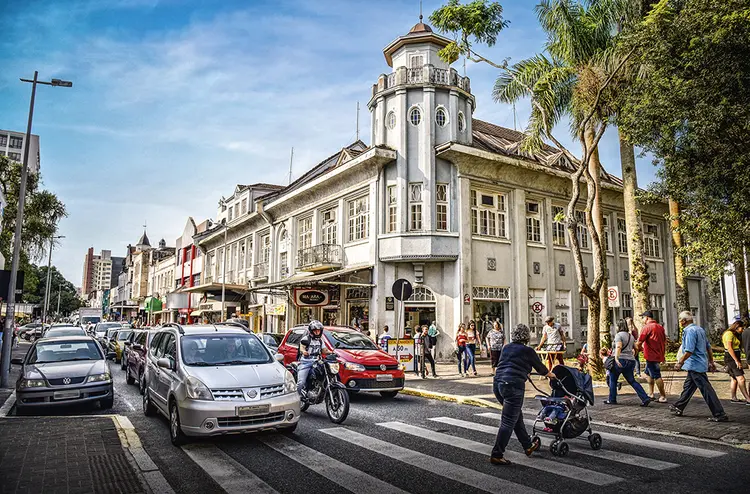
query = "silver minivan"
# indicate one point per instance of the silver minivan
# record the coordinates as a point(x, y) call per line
point(217, 379)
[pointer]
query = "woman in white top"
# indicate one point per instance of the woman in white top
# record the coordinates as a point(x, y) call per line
point(552, 334)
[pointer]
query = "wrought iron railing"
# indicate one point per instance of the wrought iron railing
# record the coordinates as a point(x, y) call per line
point(322, 254)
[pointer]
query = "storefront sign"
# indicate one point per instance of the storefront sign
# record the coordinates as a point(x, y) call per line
point(305, 297)
point(276, 310)
point(206, 307)
point(405, 349)
point(390, 303)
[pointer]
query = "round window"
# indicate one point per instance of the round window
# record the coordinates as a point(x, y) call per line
point(390, 120)
point(415, 116)
point(461, 122)
point(441, 118)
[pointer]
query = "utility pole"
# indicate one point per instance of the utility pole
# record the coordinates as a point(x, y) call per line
point(59, 289)
point(10, 313)
point(45, 309)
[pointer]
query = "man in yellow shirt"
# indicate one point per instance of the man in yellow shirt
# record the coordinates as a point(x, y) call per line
point(731, 339)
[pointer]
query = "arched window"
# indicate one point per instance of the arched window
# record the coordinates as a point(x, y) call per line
point(461, 122)
point(390, 120)
point(441, 117)
point(415, 116)
point(422, 294)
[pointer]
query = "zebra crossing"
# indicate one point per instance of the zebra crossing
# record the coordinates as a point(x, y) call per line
point(431, 442)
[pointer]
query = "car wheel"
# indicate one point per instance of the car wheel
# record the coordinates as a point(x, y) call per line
point(128, 377)
point(123, 363)
point(149, 410)
point(142, 383)
point(175, 429)
point(388, 394)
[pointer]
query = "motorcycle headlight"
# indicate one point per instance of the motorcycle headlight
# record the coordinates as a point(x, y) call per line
point(33, 383)
point(290, 385)
point(334, 366)
point(354, 367)
point(96, 378)
point(196, 390)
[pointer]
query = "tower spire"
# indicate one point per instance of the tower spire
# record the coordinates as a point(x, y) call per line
point(420, 11)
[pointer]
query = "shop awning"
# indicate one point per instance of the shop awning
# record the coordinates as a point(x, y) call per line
point(215, 288)
point(196, 313)
point(326, 278)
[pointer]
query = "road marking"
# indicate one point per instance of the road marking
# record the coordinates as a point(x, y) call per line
point(638, 441)
point(231, 476)
point(9, 402)
point(561, 469)
point(583, 450)
point(340, 473)
point(131, 442)
point(431, 464)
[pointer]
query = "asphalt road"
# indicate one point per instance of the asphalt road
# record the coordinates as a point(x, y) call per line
point(411, 444)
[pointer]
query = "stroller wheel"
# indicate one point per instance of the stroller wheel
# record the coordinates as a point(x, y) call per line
point(595, 440)
point(563, 448)
point(553, 448)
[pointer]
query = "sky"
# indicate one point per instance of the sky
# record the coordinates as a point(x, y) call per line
point(174, 102)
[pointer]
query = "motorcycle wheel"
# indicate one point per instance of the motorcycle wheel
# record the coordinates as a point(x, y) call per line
point(304, 405)
point(338, 407)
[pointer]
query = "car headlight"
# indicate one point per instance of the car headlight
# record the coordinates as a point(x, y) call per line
point(196, 390)
point(354, 367)
point(290, 385)
point(97, 378)
point(33, 383)
point(334, 366)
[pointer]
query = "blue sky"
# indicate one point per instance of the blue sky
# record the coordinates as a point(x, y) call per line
point(174, 102)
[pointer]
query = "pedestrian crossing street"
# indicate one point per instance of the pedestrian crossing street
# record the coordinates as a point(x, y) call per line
point(583, 466)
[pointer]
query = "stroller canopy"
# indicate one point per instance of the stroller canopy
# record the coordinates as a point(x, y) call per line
point(575, 382)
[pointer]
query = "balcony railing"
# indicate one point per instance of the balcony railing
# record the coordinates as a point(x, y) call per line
point(319, 256)
point(260, 271)
point(419, 75)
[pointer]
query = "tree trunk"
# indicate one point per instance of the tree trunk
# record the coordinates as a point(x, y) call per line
point(593, 339)
point(683, 300)
point(595, 169)
point(639, 278)
point(717, 311)
point(741, 283)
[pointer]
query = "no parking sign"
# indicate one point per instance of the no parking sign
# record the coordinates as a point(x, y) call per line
point(613, 296)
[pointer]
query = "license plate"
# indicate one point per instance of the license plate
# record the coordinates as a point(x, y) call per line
point(383, 377)
point(250, 410)
point(66, 395)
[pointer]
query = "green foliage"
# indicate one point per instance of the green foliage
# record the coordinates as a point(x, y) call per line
point(42, 212)
point(477, 21)
point(36, 283)
point(691, 108)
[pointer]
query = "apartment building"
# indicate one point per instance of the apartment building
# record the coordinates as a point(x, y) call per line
point(12, 145)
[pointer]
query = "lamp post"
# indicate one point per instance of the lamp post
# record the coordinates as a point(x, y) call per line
point(49, 278)
point(59, 290)
point(11, 310)
point(224, 275)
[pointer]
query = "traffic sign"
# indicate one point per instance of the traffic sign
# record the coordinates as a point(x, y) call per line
point(613, 296)
point(537, 307)
point(402, 289)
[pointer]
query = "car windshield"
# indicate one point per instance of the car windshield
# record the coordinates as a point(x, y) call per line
point(90, 319)
point(123, 335)
point(65, 332)
point(350, 340)
point(234, 349)
point(64, 351)
point(101, 327)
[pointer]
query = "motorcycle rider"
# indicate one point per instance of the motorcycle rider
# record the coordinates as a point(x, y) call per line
point(311, 347)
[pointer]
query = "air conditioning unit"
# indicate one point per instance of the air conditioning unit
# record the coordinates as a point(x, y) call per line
point(532, 207)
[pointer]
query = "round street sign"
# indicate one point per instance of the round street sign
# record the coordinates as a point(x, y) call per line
point(402, 289)
point(537, 307)
point(612, 294)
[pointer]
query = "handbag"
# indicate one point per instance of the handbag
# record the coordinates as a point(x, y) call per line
point(609, 363)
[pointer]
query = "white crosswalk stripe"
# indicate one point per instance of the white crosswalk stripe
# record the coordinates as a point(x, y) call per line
point(639, 441)
point(431, 464)
point(340, 473)
point(563, 470)
point(228, 473)
point(583, 450)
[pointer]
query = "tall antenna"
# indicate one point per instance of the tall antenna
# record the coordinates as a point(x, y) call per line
point(357, 121)
point(420, 10)
point(291, 160)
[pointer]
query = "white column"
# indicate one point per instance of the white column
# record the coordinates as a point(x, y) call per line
point(520, 290)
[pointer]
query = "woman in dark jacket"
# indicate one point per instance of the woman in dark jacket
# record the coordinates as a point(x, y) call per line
point(516, 362)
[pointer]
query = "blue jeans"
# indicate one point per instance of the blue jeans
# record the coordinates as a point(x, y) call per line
point(511, 398)
point(471, 350)
point(303, 372)
point(628, 366)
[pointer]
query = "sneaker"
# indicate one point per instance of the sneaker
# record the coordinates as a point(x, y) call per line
point(662, 399)
point(676, 411)
point(720, 418)
point(646, 403)
point(607, 402)
point(739, 402)
point(499, 460)
point(534, 446)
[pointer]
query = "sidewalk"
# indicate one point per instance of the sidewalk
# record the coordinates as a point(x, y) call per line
point(627, 413)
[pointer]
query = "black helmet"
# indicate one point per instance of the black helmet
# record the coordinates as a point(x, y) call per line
point(315, 328)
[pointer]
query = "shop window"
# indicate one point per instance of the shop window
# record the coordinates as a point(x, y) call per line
point(490, 293)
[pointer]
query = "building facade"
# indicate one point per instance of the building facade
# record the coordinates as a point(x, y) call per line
point(446, 201)
point(12, 145)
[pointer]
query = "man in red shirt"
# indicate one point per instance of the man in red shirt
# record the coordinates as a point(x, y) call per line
point(652, 341)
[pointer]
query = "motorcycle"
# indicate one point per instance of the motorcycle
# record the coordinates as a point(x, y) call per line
point(324, 385)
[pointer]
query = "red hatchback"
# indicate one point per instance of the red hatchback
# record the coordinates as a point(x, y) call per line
point(364, 366)
point(135, 365)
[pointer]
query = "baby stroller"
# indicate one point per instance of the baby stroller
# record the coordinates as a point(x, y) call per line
point(564, 414)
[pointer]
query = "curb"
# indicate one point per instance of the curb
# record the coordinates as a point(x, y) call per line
point(145, 467)
point(461, 400)
point(478, 402)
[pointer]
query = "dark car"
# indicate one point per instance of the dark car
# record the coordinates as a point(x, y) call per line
point(272, 340)
point(32, 331)
point(66, 370)
point(135, 365)
point(364, 366)
point(58, 330)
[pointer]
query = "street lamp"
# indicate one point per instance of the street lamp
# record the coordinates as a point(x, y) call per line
point(49, 277)
point(11, 310)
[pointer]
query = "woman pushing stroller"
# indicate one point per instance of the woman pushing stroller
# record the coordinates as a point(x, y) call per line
point(516, 362)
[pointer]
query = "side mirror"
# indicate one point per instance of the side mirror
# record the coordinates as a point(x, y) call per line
point(127, 343)
point(165, 363)
point(279, 358)
point(111, 355)
point(16, 361)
